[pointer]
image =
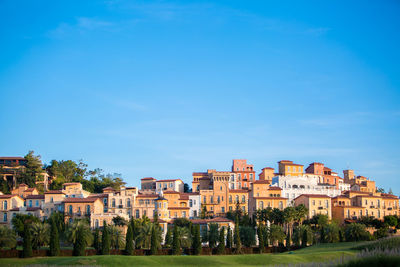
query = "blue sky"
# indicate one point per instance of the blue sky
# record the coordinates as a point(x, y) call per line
point(165, 88)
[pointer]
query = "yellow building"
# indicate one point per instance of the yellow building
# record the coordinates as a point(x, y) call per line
point(316, 204)
point(288, 168)
point(238, 198)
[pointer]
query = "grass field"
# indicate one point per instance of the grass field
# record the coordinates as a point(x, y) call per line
point(317, 253)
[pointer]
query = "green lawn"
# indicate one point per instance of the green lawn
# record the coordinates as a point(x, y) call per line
point(316, 253)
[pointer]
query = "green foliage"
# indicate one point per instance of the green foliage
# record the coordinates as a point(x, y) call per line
point(182, 222)
point(168, 238)
point(330, 233)
point(119, 221)
point(221, 241)
point(129, 240)
point(40, 233)
point(20, 220)
point(154, 241)
point(197, 240)
point(236, 237)
point(96, 240)
point(261, 237)
point(381, 232)
point(356, 232)
point(306, 235)
point(276, 234)
point(33, 170)
point(27, 245)
point(58, 218)
point(391, 220)
point(229, 238)
point(105, 240)
point(381, 244)
point(54, 240)
point(213, 235)
point(8, 237)
point(176, 246)
point(247, 236)
point(117, 239)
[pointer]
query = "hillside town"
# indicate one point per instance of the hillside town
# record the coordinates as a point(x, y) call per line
point(344, 198)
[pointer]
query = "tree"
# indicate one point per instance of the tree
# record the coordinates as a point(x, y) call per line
point(288, 240)
point(391, 220)
point(129, 241)
point(186, 188)
point(168, 238)
point(331, 233)
point(176, 246)
point(105, 241)
point(155, 244)
point(276, 234)
point(213, 235)
point(380, 190)
point(261, 238)
point(8, 237)
point(306, 233)
point(117, 239)
point(236, 237)
point(390, 191)
point(247, 236)
point(27, 245)
point(54, 240)
point(144, 237)
point(40, 234)
point(197, 240)
point(20, 220)
point(119, 221)
point(356, 232)
point(78, 233)
point(96, 240)
point(33, 170)
point(229, 238)
point(221, 241)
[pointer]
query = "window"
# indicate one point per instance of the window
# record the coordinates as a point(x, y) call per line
point(237, 199)
point(37, 203)
point(211, 199)
point(87, 209)
point(261, 205)
point(251, 176)
point(223, 209)
point(70, 209)
point(230, 199)
point(51, 200)
point(113, 203)
point(205, 199)
point(5, 217)
point(239, 176)
point(313, 202)
point(280, 205)
point(190, 203)
point(137, 214)
point(128, 203)
point(218, 199)
point(171, 185)
point(5, 205)
point(30, 203)
point(326, 204)
point(195, 213)
point(243, 199)
point(96, 224)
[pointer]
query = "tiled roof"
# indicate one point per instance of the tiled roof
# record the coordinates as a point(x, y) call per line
point(312, 195)
point(7, 196)
point(80, 200)
point(261, 182)
point(35, 197)
point(148, 178)
point(214, 220)
point(169, 180)
point(274, 188)
point(54, 192)
point(238, 191)
point(30, 190)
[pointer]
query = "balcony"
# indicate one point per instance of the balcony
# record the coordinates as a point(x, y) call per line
point(390, 208)
point(120, 206)
point(320, 208)
point(372, 207)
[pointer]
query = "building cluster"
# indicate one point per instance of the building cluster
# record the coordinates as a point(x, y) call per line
point(213, 194)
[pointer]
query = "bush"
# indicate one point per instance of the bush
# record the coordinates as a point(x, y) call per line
point(382, 244)
point(356, 232)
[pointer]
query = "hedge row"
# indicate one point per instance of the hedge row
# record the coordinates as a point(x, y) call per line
point(14, 253)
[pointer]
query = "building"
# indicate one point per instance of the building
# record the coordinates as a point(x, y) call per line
point(316, 204)
point(7, 203)
point(245, 173)
point(176, 185)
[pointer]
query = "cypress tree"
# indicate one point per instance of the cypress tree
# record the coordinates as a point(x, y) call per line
point(96, 240)
point(80, 243)
point(221, 242)
point(154, 241)
point(197, 240)
point(176, 246)
point(105, 241)
point(27, 245)
point(304, 240)
point(168, 238)
point(129, 241)
point(229, 238)
point(288, 240)
point(54, 240)
point(260, 233)
point(236, 237)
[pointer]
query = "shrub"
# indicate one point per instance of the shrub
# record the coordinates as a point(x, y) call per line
point(356, 232)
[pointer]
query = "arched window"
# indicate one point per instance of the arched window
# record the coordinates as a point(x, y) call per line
point(243, 199)
point(5, 204)
point(113, 202)
point(70, 209)
point(137, 214)
point(128, 203)
point(261, 205)
point(87, 209)
point(230, 199)
point(120, 202)
point(237, 199)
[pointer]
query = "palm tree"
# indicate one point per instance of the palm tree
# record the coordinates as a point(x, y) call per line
point(117, 238)
point(144, 237)
point(301, 213)
point(289, 215)
point(8, 238)
point(40, 233)
point(276, 234)
point(184, 237)
point(72, 232)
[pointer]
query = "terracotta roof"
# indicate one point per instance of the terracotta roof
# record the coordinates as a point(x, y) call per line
point(108, 188)
point(170, 192)
point(30, 190)
point(199, 173)
point(54, 192)
point(80, 200)
point(14, 209)
point(270, 197)
point(340, 197)
point(70, 183)
point(184, 197)
point(261, 182)
point(274, 188)
point(35, 197)
point(32, 208)
point(269, 168)
point(148, 178)
point(22, 185)
point(289, 162)
point(238, 191)
point(312, 195)
point(19, 158)
point(8, 196)
point(159, 220)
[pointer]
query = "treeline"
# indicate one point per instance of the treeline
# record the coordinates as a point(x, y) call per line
point(61, 171)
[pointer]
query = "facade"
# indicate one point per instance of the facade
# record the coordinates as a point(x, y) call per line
point(316, 204)
point(8, 203)
point(169, 185)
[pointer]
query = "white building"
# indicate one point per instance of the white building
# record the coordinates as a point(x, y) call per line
point(294, 186)
point(194, 205)
point(176, 185)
